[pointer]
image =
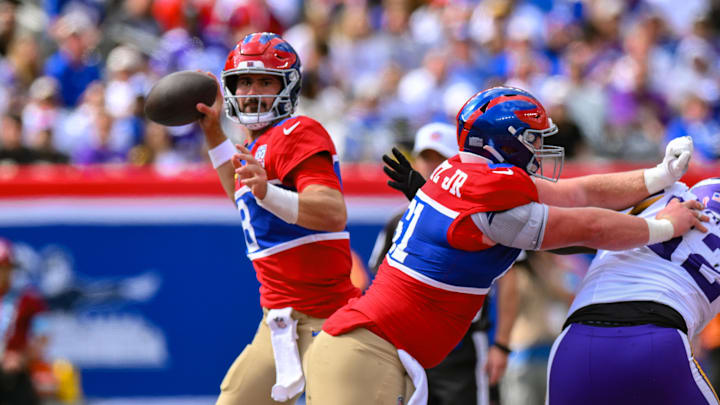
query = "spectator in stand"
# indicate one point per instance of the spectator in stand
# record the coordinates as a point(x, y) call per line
point(698, 122)
point(156, 149)
point(637, 109)
point(75, 131)
point(554, 93)
point(696, 67)
point(14, 151)
point(628, 64)
point(42, 112)
point(589, 101)
point(126, 85)
point(22, 64)
point(7, 24)
point(100, 150)
point(245, 17)
point(73, 64)
point(134, 25)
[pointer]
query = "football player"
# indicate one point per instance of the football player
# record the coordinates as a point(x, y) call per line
point(463, 229)
point(626, 340)
point(285, 182)
point(470, 373)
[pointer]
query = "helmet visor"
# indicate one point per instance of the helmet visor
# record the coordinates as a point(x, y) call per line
point(549, 159)
point(253, 109)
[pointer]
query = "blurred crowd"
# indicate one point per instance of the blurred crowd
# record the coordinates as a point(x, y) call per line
point(620, 77)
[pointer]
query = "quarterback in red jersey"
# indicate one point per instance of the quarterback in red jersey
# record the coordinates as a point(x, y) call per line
point(285, 182)
point(463, 229)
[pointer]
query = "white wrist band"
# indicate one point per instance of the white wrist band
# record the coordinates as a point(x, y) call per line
point(660, 230)
point(281, 202)
point(221, 153)
point(657, 179)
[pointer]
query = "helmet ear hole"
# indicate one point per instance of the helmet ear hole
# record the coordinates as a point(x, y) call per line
point(507, 150)
point(231, 83)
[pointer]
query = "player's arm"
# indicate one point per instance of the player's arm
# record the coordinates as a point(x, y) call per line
point(604, 229)
point(322, 208)
point(619, 190)
point(508, 302)
point(537, 226)
point(613, 191)
point(318, 204)
point(220, 148)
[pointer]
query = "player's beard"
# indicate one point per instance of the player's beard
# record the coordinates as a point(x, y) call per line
point(251, 106)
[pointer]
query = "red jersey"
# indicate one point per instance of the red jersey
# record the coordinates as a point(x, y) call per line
point(435, 276)
point(17, 311)
point(285, 256)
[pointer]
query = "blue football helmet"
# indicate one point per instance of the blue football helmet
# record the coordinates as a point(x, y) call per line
point(507, 125)
point(708, 192)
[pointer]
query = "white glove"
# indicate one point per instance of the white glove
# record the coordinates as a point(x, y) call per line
point(672, 168)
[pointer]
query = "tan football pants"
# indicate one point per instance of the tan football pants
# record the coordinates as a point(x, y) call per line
point(357, 368)
point(252, 375)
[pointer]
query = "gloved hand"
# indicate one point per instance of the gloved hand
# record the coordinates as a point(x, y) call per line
point(404, 177)
point(674, 165)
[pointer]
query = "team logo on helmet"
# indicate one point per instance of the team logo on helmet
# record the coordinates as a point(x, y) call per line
point(508, 125)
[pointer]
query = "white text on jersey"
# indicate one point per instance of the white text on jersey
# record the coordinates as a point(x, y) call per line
point(449, 183)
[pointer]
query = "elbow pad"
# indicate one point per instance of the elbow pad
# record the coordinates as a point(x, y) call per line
point(521, 227)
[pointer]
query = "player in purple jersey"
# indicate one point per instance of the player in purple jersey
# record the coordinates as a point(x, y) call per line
point(626, 340)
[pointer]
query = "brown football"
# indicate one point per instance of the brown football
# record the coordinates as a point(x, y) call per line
point(172, 99)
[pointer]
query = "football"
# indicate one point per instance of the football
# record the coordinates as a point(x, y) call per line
point(172, 100)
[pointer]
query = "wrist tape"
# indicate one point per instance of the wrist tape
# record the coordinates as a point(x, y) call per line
point(221, 153)
point(283, 203)
point(657, 178)
point(660, 230)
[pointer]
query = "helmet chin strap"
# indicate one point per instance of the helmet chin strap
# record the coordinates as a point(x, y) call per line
point(257, 125)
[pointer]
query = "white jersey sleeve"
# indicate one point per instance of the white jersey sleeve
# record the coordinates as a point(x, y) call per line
point(521, 227)
point(683, 273)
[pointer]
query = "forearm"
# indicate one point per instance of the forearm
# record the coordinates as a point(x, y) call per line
point(221, 151)
point(618, 232)
point(613, 191)
point(595, 228)
point(321, 208)
point(226, 174)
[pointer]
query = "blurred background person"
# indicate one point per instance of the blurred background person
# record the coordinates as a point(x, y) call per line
point(544, 285)
point(698, 121)
point(19, 324)
point(74, 64)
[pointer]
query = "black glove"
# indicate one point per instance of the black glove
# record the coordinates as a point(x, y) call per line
point(404, 177)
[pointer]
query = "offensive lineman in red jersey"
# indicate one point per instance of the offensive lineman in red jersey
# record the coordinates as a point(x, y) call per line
point(463, 229)
point(285, 181)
